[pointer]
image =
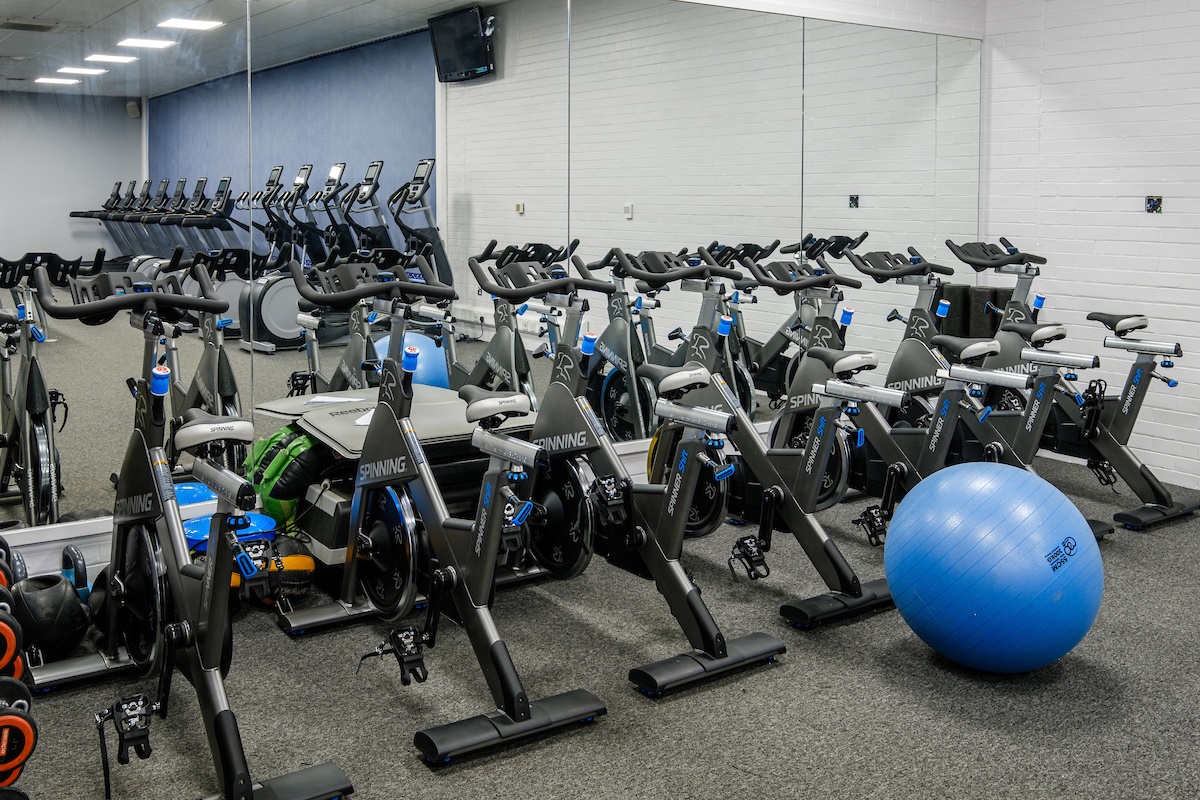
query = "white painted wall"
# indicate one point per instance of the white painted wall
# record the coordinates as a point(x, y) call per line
point(692, 114)
point(505, 142)
point(953, 17)
point(1088, 108)
point(62, 153)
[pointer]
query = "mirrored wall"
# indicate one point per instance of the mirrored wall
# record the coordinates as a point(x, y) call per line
point(102, 105)
point(645, 125)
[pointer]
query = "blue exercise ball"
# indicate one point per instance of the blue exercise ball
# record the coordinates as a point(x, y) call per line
point(993, 567)
point(431, 363)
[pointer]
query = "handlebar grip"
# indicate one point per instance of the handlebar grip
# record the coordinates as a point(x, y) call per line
point(788, 249)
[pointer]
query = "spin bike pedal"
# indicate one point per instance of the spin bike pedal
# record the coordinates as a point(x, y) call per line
point(874, 522)
point(130, 717)
point(57, 399)
point(299, 382)
point(750, 555)
point(406, 644)
point(1103, 472)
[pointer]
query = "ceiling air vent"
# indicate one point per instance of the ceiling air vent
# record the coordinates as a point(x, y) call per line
point(29, 25)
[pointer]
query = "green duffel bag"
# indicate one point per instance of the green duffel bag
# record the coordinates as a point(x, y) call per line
point(281, 468)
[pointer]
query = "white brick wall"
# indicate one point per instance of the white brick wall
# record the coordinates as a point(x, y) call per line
point(505, 142)
point(953, 17)
point(693, 114)
point(1088, 108)
point(890, 116)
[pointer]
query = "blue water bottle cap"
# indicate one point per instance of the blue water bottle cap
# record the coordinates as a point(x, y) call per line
point(409, 362)
point(847, 316)
point(725, 325)
point(943, 308)
point(1039, 300)
point(589, 344)
point(160, 381)
point(20, 311)
point(638, 304)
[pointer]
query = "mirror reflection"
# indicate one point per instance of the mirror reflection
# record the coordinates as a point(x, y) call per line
point(100, 181)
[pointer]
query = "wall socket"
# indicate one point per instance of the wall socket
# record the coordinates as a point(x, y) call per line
point(629, 211)
point(520, 208)
point(854, 201)
point(1153, 204)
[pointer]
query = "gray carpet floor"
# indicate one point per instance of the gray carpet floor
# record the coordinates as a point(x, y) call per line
point(860, 709)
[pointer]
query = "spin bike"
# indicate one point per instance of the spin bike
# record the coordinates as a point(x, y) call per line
point(403, 535)
point(772, 363)
point(586, 503)
point(1088, 424)
point(625, 405)
point(30, 409)
point(160, 611)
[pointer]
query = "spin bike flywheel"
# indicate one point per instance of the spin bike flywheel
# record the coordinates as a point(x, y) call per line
point(39, 480)
point(614, 408)
point(562, 539)
point(707, 511)
point(141, 609)
point(836, 479)
point(388, 564)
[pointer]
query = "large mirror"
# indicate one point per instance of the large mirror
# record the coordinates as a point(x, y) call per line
point(366, 135)
point(100, 148)
point(694, 124)
point(891, 147)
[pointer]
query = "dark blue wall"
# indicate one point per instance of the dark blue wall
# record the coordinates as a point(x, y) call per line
point(357, 106)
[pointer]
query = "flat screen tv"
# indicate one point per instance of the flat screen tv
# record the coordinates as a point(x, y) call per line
point(462, 46)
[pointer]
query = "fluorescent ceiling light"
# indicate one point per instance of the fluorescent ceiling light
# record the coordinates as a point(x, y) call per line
point(82, 71)
point(191, 24)
point(111, 59)
point(157, 44)
point(63, 81)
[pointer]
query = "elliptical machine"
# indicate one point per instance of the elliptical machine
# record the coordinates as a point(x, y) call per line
point(158, 610)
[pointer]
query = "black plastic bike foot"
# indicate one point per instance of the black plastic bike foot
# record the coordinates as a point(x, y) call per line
point(1099, 528)
point(1136, 519)
point(439, 744)
point(661, 676)
point(321, 782)
point(835, 606)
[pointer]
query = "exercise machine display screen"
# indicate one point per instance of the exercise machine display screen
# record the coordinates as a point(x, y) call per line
point(302, 176)
point(198, 191)
point(335, 174)
point(373, 170)
point(222, 189)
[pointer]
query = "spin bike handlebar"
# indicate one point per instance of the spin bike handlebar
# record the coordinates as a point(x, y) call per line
point(673, 269)
point(431, 289)
point(538, 285)
point(981, 255)
point(836, 246)
point(884, 266)
point(772, 276)
point(86, 306)
point(724, 255)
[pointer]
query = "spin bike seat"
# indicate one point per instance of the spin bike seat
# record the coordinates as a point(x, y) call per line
point(966, 350)
point(668, 380)
point(200, 427)
point(484, 404)
point(1036, 333)
point(1120, 324)
point(844, 363)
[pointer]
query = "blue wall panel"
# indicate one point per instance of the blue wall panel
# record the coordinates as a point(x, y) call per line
point(357, 106)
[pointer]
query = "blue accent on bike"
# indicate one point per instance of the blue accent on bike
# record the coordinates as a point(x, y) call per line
point(522, 515)
point(589, 344)
point(224, 323)
point(861, 438)
point(246, 565)
point(987, 412)
point(372, 317)
point(20, 312)
point(409, 362)
point(727, 472)
point(160, 381)
point(725, 325)
point(37, 334)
